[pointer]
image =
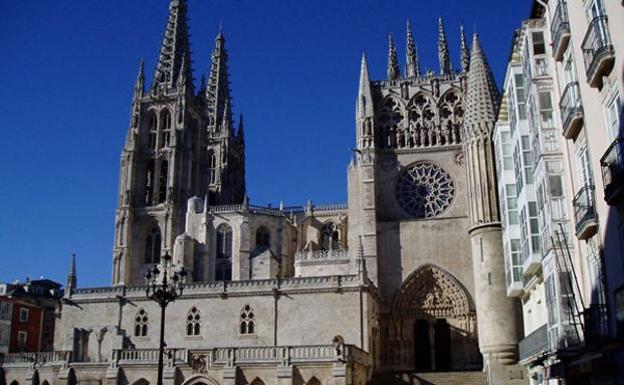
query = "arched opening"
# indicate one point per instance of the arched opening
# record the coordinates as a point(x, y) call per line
point(141, 381)
point(200, 380)
point(263, 237)
point(152, 245)
point(247, 321)
point(150, 172)
point(153, 130)
point(313, 381)
point(223, 265)
point(14, 382)
point(193, 322)
point(257, 381)
point(164, 178)
point(45, 382)
point(432, 312)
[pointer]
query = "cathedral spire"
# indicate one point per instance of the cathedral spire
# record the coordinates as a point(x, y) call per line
point(365, 95)
point(482, 98)
point(411, 54)
point(241, 128)
point(218, 89)
point(465, 54)
point(394, 72)
point(175, 48)
point(443, 50)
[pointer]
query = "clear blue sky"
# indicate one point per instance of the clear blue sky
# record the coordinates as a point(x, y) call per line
point(67, 70)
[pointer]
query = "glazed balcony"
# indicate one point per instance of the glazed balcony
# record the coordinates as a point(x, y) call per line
point(598, 53)
point(612, 164)
point(571, 111)
point(534, 345)
point(585, 213)
point(560, 30)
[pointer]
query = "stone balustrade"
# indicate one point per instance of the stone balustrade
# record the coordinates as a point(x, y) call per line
point(322, 255)
point(227, 356)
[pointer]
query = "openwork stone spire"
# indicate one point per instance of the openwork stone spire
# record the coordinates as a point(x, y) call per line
point(71, 277)
point(139, 84)
point(394, 72)
point(465, 55)
point(443, 50)
point(364, 109)
point(411, 54)
point(218, 89)
point(175, 48)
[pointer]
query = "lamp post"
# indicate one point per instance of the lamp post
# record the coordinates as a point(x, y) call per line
point(163, 284)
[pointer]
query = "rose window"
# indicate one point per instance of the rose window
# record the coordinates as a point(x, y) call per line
point(425, 190)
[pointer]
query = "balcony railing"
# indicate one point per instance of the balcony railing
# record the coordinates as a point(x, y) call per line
point(585, 213)
point(612, 164)
point(560, 30)
point(598, 53)
point(534, 345)
point(571, 110)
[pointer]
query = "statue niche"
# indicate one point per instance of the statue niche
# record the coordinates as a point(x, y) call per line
point(432, 325)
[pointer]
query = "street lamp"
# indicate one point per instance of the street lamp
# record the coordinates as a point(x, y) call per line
point(163, 284)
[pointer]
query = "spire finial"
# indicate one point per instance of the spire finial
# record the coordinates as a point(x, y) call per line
point(443, 50)
point(411, 54)
point(465, 54)
point(70, 287)
point(139, 84)
point(394, 72)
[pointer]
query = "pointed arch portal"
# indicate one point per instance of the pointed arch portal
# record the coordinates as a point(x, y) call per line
point(432, 325)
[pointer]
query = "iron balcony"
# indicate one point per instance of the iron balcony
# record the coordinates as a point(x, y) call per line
point(598, 53)
point(612, 164)
point(585, 213)
point(560, 30)
point(571, 110)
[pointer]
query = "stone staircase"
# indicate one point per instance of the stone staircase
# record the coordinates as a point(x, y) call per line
point(433, 378)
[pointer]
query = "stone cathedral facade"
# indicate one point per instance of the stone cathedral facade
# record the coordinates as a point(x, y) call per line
point(404, 283)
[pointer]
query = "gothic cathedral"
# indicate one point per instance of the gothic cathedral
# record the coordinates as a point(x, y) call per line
point(405, 283)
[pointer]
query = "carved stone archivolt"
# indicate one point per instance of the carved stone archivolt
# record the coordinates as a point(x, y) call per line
point(431, 292)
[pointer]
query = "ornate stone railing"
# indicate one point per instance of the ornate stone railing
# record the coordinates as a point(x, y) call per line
point(42, 358)
point(130, 356)
point(322, 255)
point(216, 288)
point(269, 210)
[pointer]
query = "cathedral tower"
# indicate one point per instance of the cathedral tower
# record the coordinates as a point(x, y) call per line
point(496, 314)
point(179, 144)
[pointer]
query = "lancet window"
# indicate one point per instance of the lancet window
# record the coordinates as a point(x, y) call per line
point(330, 236)
point(422, 130)
point(223, 267)
point(149, 183)
point(164, 176)
point(152, 246)
point(451, 118)
point(166, 136)
point(153, 129)
point(391, 120)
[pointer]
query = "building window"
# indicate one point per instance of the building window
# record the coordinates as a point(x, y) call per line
point(166, 126)
point(223, 268)
point(539, 47)
point(23, 315)
point(546, 109)
point(4, 310)
point(21, 340)
point(153, 131)
point(164, 174)
point(193, 322)
point(512, 203)
point(330, 236)
point(140, 324)
point(247, 321)
point(152, 246)
point(263, 237)
point(613, 115)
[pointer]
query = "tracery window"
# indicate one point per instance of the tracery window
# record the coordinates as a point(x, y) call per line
point(451, 118)
point(193, 322)
point(263, 237)
point(421, 131)
point(247, 320)
point(149, 183)
point(223, 268)
point(425, 190)
point(390, 120)
point(152, 246)
point(330, 236)
point(140, 324)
